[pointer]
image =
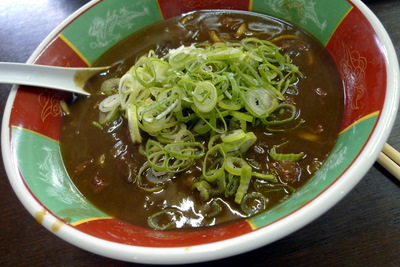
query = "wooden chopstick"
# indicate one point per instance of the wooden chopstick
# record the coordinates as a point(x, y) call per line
point(389, 158)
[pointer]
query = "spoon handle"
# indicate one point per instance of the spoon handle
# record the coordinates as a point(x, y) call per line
point(67, 79)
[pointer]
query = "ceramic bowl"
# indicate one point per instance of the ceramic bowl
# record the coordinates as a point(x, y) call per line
point(31, 125)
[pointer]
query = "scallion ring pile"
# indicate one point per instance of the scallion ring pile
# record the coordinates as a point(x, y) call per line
point(206, 89)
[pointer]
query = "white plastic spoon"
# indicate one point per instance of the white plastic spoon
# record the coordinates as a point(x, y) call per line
point(62, 78)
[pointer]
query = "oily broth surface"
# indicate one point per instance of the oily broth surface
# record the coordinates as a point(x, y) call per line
point(105, 180)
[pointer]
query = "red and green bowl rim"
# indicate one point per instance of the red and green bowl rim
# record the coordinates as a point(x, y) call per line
point(33, 120)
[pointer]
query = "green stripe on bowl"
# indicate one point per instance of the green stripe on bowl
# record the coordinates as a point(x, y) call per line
point(41, 166)
point(347, 148)
point(314, 16)
point(107, 23)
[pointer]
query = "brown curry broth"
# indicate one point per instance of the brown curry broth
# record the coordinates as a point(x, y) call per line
point(320, 104)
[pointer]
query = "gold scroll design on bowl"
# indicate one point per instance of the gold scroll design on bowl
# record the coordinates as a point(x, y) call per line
point(199, 3)
point(352, 69)
point(50, 102)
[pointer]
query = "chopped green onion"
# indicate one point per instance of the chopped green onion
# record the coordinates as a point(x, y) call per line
point(284, 157)
point(143, 173)
point(64, 107)
point(109, 108)
point(205, 96)
point(215, 209)
point(110, 86)
point(165, 219)
point(279, 110)
point(197, 92)
point(240, 144)
point(253, 203)
point(263, 176)
point(133, 123)
point(245, 177)
point(232, 186)
point(193, 150)
point(97, 125)
point(204, 188)
point(145, 72)
point(234, 165)
point(211, 188)
point(210, 170)
point(156, 155)
point(233, 136)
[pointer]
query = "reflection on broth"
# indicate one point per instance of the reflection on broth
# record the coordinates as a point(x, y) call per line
point(244, 109)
